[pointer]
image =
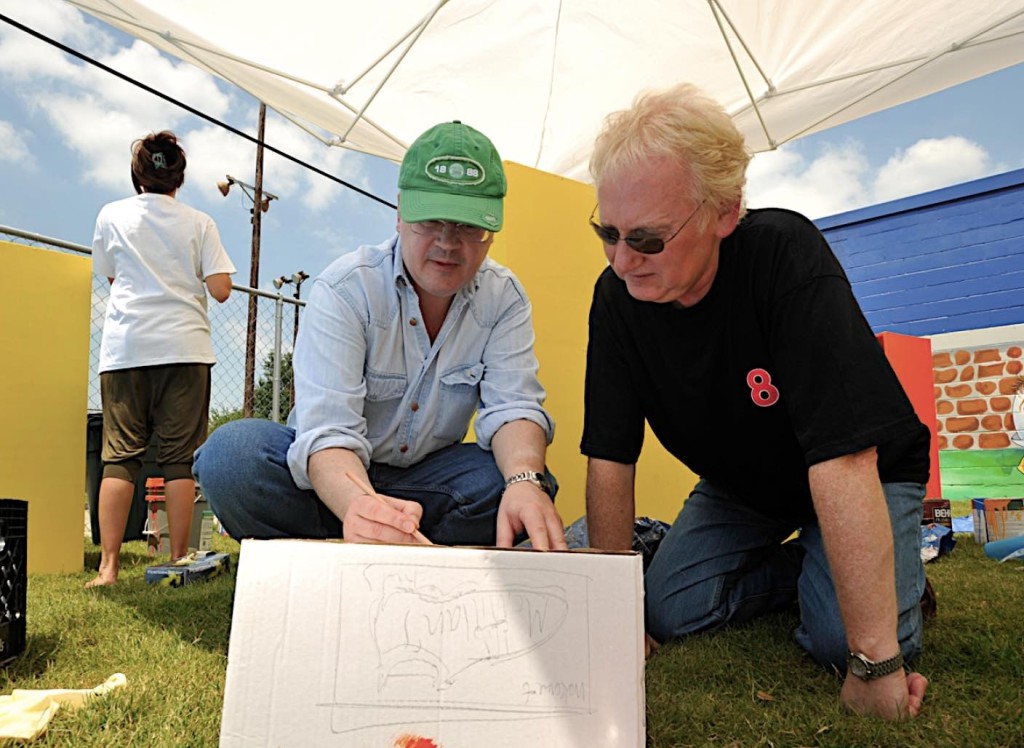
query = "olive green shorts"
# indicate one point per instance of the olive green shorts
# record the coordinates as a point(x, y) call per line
point(171, 402)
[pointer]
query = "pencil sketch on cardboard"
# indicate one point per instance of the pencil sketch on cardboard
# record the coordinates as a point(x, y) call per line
point(468, 643)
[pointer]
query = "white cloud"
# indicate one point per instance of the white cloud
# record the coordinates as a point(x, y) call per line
point(13, 147)
point(213, 153)
point(100, 135)
point(173, 78)
point(840, 178)
point(23, 56)
point(100, 97)
point(316, 192)
point(97, 115)
point(831, 183)
point(322, 192)
point(930, 164)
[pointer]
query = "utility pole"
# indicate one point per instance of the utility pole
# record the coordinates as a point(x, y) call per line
point(254, 270)
point(296, 279)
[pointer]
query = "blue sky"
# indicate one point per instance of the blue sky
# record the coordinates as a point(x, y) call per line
point(66, 128)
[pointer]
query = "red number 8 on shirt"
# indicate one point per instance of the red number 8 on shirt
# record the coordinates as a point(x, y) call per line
point(762, 391)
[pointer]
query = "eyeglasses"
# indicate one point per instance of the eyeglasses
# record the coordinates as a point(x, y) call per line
point(463, 231)
point(643, 243)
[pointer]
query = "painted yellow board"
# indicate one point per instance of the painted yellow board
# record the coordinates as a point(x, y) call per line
point(549, 245)
point(44, 397)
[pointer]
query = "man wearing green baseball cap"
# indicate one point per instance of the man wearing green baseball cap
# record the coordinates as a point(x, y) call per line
point(402, 343)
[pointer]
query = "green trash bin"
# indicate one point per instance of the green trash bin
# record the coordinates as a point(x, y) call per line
point(94, 474)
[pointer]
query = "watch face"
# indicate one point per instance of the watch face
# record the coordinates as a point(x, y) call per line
point(857, 667)
point(533, 477)
point(865, 669)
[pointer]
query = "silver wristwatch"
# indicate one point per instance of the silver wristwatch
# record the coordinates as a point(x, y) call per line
point(866, 669)
point(533, 477)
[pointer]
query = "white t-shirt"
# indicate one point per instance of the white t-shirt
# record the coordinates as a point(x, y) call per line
point(159, 252)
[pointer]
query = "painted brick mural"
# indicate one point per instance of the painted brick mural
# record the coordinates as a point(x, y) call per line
point(974, 396)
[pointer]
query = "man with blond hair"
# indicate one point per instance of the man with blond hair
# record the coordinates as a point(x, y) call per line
point(736, 336)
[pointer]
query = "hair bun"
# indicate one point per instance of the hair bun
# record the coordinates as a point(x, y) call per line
point(158, 163)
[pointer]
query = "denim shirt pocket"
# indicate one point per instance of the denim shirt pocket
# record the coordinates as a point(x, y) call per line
point(459, 395)
point(383, 393)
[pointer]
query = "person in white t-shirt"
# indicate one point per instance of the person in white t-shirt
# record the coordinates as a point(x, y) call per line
point(160, 257)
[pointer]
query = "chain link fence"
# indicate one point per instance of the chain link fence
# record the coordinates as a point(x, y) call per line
point(277, 320)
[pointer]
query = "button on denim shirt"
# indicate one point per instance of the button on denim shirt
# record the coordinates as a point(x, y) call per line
point(368, 379)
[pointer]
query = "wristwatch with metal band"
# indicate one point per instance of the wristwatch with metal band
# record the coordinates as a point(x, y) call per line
point(866, 669)
point(533, 477)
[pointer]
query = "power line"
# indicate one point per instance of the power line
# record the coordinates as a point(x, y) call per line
point(192, 110)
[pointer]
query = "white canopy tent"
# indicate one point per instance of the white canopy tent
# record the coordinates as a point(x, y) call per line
point(538, 76)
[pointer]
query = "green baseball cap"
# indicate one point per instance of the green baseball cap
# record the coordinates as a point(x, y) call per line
point(452, 173)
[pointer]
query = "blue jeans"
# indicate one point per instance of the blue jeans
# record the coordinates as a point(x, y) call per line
point(243, 472)
point(724, 562)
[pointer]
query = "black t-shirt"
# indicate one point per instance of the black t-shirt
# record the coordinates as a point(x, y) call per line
point(774, 370)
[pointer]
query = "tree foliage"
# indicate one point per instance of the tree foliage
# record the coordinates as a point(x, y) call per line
point(263, 395)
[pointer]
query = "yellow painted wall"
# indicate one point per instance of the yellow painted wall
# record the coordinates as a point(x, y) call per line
point(44, 396)
point(547, 242)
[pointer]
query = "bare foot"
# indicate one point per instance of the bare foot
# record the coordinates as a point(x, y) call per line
point(102, 580)
point(106, 576)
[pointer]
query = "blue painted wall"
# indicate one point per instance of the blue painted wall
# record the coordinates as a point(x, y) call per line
point(942, 261)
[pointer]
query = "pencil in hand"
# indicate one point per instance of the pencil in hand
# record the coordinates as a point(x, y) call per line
point(368, 490)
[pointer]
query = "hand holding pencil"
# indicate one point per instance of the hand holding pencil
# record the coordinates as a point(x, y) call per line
point(368, 490)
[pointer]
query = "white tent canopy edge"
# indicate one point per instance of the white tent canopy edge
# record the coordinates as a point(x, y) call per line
point(539, 76)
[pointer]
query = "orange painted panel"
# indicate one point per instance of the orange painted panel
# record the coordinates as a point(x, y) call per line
point(911, 358)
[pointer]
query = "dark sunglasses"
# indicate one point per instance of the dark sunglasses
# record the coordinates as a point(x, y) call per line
point(643, 243)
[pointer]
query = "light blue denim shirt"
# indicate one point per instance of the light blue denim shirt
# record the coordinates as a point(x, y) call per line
point(368, 379)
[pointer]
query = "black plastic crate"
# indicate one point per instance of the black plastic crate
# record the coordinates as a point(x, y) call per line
point(13, 577)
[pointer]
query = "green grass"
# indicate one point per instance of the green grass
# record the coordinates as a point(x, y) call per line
point(752, 686)
point(170, 643)
point(749, 686)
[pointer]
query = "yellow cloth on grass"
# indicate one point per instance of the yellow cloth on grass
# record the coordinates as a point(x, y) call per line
point(25, 713)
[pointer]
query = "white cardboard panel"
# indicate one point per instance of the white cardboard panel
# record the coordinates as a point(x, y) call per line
point(368, 645)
